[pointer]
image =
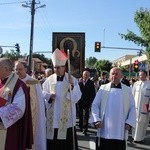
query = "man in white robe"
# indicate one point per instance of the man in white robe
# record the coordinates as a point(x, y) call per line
point(113, 113)
point(48, 72)
point(15, 115)
point(37, 106)
point(62, 92)
point(141, 92)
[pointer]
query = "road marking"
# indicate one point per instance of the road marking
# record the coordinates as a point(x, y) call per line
point(92, 145)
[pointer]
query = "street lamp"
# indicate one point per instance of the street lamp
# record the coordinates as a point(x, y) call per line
point(33, 8)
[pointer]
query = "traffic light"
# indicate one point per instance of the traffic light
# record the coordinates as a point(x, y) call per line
point(97, 46)
point(17, 47)
point(136, 66)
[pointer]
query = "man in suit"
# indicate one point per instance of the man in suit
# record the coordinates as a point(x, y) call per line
point(103, 79)
point(88, 93)
point(125, 81)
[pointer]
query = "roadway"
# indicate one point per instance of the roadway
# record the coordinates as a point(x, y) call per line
point(87, 142)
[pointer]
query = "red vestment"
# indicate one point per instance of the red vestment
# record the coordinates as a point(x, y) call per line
point(20, 135)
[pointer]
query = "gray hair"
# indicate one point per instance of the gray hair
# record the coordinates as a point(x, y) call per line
point(48, 70)
point(6, 62)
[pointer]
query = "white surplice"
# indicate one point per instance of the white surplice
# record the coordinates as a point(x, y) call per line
point(141, 92)
point(39, 119)
point(114, 107)
point(52, 85)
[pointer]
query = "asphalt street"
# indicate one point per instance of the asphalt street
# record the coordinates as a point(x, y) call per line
point(87, 142)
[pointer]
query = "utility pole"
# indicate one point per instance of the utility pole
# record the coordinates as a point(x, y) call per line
point(33, 8)
point(31, 36)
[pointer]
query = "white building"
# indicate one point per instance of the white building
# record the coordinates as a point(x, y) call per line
point(127, 62)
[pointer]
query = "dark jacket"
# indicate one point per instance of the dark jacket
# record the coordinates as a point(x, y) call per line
point(88, 94)
point(101, 82)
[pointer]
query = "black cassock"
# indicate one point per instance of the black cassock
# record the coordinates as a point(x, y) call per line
point(61, 144)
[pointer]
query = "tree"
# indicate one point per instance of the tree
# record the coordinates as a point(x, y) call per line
point(43, 58)
point(142, 19)
point(89, 62)
point(103, 66)
point(13, 55)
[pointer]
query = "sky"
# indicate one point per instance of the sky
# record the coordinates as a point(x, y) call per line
point(100, 20)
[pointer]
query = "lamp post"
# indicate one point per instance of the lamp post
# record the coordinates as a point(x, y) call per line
point(33, 8)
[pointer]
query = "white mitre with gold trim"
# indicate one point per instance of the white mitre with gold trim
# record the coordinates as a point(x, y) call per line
point(59, 58)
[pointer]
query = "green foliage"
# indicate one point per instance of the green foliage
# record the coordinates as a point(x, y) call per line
point(130, 36)
point(103, 66)
point(13, 55)
point(123, 69)
point(142, 19)
point(89, 62)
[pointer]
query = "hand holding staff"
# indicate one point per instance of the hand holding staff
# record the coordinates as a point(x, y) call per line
point(70, 88)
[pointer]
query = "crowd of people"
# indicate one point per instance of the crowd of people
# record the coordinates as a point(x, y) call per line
point(41, 114)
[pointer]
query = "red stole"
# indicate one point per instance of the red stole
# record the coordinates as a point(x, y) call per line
point(20, 135)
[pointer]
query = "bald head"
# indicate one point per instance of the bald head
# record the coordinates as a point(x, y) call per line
point(21, 69)
point(115, 75)
point(86, 75)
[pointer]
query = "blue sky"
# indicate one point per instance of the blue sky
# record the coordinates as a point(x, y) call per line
point(101, 20)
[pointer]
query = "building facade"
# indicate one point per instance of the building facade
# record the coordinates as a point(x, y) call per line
point(127, 62)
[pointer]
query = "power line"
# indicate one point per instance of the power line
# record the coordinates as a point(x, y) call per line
point(9, 3)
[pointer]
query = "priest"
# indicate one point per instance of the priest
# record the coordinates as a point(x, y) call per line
point(37, 106)
point(141, 92)
point(61, 105)
point(15, 114)
point(113, 113)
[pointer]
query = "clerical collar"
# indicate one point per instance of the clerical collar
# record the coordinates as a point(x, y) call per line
point(118, 86)
point(60, 78)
